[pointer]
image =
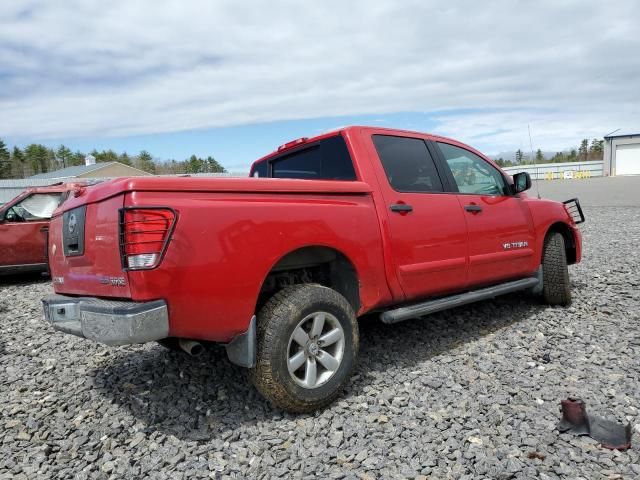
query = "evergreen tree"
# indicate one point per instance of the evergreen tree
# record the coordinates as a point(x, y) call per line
point(5, 161)
point(213, 166)
point(18, 163)
point(64, 156)
point(519, 156)
point(124, 159)
point(37, 157)
point(52, 160)
point(194, 165)
point(596, 149)
point(583, 150)
point(77, 158)
point(539, 156)
point(145, 162)
point(105, 156)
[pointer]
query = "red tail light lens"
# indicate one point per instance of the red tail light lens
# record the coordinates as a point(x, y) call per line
point(144, 235)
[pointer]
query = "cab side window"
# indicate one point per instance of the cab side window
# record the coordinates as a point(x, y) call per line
point(408, 164)
point(472, 173)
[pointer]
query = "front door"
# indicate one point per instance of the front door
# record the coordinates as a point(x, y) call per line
point(426, 225)
point(22, 232)
point(501, 235)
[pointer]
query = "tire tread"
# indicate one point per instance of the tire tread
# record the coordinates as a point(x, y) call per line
point(274, 314)
point(556, 285)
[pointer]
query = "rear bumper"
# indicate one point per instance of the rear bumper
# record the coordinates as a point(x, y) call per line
point(111, 322)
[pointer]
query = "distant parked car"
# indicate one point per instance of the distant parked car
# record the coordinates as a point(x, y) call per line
point(24, 222)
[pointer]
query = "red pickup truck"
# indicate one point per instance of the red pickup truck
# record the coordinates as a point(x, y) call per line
point(279, 267)
point(24, 221)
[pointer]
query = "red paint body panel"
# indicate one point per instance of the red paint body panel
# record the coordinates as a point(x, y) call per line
point(545, 214)
point(24, 243)
point(224, 245)
point(427, 248)
point(84, 274)
point(502, 220)
point(230, 232)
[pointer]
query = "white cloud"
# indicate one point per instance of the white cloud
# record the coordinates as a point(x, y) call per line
point(79, 68)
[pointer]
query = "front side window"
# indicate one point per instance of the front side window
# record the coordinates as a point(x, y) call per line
point(471, 173)
point(39, 206)
point(327, 159)
point(408, 164)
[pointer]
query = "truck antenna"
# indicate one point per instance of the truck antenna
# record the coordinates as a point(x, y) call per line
point(534, 161)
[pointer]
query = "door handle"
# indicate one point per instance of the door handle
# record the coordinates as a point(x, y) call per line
point(401, 208)
point(473, 208)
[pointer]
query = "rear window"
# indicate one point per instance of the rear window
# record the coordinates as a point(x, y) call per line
point(327, 159)
point(260, 170)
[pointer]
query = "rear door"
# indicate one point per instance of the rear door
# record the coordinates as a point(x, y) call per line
point(501, 235)
point(426, 225)
point(22, 233)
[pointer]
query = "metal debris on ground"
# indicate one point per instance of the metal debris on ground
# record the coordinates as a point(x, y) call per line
point(609, 434)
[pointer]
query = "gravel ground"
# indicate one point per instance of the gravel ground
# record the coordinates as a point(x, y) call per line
point(462, 394)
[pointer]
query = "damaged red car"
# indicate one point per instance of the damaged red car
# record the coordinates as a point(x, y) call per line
point(24, 222)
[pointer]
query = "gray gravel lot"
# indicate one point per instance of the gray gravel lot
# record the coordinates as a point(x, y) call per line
point(462, 394)
point(593, 192)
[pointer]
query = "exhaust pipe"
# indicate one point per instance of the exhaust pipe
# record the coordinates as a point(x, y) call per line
point(192, 347)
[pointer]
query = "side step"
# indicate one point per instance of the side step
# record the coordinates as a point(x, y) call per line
point(432, 306)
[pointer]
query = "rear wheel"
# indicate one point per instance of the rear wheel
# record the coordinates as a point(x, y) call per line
point(307, 344)
point(555, 273)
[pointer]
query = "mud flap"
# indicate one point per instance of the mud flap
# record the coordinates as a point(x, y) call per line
point(242, 349)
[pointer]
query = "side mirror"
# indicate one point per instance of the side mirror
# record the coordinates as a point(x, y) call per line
point(521, 182)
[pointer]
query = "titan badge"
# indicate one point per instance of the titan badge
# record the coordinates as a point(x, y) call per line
point(512, 245)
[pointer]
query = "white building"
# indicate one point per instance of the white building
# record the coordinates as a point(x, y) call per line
point(622, 154)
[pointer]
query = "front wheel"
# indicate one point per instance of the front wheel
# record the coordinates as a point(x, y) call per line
point(555, 273)
point(307, 344)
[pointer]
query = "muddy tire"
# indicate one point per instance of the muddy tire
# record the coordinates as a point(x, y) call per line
point(307, 345)
point(556, 287)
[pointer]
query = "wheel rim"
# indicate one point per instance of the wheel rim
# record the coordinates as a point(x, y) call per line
point(316, 349)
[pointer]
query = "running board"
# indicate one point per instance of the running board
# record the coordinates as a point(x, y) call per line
point(432, 306)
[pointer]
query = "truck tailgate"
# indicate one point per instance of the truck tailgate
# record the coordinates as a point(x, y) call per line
point(84, 254)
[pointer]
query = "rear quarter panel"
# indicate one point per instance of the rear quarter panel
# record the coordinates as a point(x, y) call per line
point(224, 244)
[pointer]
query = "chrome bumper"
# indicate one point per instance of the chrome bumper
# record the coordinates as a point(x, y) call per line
point(111, 322)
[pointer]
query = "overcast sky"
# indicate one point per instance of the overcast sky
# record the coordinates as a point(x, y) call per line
point(236, 78)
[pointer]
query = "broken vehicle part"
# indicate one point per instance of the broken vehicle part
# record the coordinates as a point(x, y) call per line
point(575, 420)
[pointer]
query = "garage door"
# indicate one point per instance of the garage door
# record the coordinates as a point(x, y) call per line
point(628, 159)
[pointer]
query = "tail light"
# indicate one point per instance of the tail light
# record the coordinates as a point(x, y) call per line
point(144, 235)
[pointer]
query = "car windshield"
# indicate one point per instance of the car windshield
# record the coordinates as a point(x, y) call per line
point(35, 207)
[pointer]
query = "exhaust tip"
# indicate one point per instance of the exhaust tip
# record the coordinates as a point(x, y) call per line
point(192, 347)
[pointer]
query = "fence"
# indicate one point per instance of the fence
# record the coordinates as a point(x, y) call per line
point(560, 171)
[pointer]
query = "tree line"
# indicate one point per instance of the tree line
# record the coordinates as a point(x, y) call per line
point(585, 152)
point(36, 158)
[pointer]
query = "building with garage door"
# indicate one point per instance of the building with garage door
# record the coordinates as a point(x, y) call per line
point(622, 154)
